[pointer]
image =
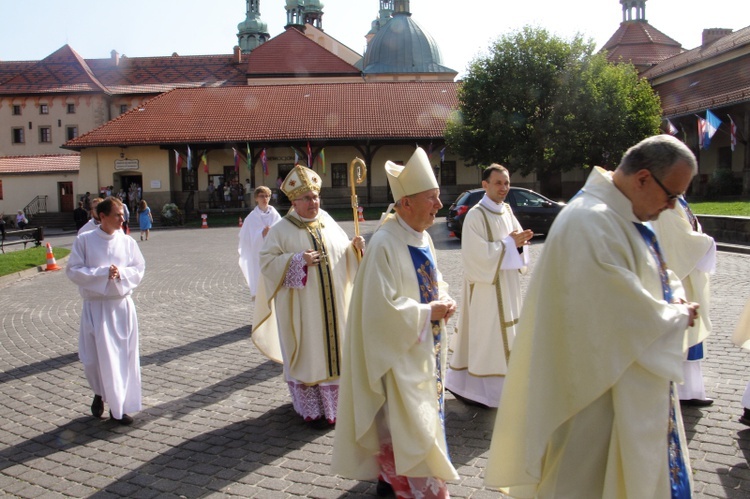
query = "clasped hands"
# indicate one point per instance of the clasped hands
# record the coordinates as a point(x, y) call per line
point(442, 309)
point(313, 257)
point(114, 273)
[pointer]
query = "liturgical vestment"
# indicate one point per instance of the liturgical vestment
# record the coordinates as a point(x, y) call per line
point(108, 336)
point(588, 407)
point(251, 240)
point(302, 325)
point(490, 303)
point(389, 373)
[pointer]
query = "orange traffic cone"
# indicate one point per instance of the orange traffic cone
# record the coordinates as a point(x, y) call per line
point(51, 263)
point(360, 214)
point(204, 225)
point(240, 221)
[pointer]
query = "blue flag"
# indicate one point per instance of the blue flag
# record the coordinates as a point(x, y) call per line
point(712, 124)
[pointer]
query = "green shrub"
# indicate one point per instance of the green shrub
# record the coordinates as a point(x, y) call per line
point(171, 214)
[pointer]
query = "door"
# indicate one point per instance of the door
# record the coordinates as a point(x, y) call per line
point(67, 198)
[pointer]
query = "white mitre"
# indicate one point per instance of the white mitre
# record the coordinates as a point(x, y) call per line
point(414, 177)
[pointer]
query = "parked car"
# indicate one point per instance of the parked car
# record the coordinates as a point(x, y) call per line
point(532, 210)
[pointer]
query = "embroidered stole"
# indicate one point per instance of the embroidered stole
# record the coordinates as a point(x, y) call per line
point(680, 484)
point(327, 293)
point(424, 264)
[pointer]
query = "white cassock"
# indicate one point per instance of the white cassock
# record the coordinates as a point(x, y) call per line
point(108, 338)
point(691, 255)
point(588, 407)
point(490, 303)
point(251, 240)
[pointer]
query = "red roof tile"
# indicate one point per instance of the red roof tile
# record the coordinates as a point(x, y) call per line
point(52, 163)
point(263, 113)
point(641, 44)
point(63, 71)
point(295, 55)
point(159, 74)
point(710, 76)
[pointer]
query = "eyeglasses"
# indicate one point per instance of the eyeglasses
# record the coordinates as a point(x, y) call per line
point(670, 197)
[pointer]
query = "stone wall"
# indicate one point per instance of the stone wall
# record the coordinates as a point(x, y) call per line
point(726, 229)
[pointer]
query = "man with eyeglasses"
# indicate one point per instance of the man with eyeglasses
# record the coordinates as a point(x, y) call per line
point(307, 264)
point(589, 407)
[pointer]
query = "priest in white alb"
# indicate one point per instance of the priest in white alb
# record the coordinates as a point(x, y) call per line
point(307, 264)
point(252, 234)
point(107, 266)
point(493, 251)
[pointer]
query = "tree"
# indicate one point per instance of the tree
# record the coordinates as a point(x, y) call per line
point(540, 104)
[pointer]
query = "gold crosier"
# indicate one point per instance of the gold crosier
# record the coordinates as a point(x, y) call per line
point(357, 172)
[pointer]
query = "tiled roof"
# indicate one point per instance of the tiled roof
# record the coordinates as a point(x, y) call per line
point(267, 113)
point(63, 71)
point(10, 69)
point(716, 86)
point(158, 74)
point(710, 76)
point(295, 55)
point(641, 44)
point(52, 163)
point(698, 55)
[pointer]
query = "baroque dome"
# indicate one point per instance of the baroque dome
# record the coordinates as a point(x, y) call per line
point(402, 46)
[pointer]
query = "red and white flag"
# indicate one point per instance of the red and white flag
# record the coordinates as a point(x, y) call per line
point(732, 133)
point(701, 132)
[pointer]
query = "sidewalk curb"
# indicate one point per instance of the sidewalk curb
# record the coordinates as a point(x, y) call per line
point(16, 276)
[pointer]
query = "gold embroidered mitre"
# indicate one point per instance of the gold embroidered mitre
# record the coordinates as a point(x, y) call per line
point(299, 181)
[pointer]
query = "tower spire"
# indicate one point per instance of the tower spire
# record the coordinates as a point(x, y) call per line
point(301, 12)
point(252, 31)
point(633, 10)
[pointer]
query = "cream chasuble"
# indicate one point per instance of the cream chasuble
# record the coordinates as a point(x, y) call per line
point(585, 410)
point(386, 364)
point(490, 303)
point(303, 327)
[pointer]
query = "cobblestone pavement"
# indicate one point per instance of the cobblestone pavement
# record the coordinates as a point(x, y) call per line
point(217, 418)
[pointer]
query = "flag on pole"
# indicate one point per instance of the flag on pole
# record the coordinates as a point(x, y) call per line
point(442, 155)
point(323, 159)
point(204, 161)
point(309, 155)
point(713, 123)
point(732, 133)
point(671, 129)
point(236, 159)
point(701, 132)
point(189, 159)
point(177, 162)
point(264, 161)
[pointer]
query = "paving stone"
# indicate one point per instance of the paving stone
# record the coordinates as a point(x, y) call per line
point(217, 418)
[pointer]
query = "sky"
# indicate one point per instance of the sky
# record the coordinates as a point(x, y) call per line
point(464, 29)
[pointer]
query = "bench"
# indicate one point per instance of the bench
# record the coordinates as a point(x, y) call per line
point(25, 236)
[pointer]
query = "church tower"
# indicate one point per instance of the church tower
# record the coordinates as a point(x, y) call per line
point(386, 11)
point(252, 31)
point(633, 10)
point(636, 41)
point(301, 12)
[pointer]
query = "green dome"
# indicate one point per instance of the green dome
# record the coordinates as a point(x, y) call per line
point(402, 46)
